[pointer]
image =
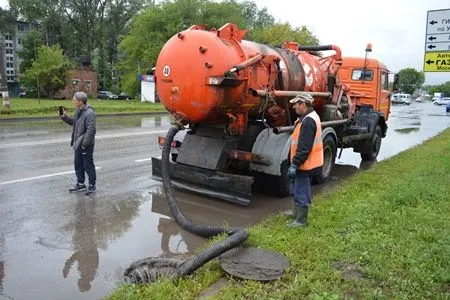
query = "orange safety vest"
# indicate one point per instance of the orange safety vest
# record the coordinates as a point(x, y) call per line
point(315, 157)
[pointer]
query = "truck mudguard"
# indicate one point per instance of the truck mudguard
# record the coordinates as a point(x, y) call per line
point(274, 148)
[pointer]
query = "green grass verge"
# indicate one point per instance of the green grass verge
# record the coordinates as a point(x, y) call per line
point(382, 234)
point(23, 107)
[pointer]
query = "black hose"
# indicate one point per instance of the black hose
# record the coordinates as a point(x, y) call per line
point(238, 235)
point(151, 269)
point(215, 250)
point(315, 48)
point(203, 231)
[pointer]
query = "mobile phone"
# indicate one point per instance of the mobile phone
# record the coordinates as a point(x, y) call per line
point(61, 110)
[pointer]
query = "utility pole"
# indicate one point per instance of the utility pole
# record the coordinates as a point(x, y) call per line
point(3, 82)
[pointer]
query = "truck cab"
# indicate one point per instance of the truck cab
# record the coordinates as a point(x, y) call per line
point(368, 81)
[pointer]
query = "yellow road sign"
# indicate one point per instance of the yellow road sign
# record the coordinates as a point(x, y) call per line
point(437, 61)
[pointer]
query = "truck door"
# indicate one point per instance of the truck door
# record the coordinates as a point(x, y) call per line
point(384, 103)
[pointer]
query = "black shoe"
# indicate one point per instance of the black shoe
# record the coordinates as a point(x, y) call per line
point(91, 189)
point(79, 187)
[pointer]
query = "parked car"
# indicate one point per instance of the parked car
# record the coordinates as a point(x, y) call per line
point(106, 95)
point(401, 99)
point(448, 107)
point(442, 101)
point(125, 96)
point(22, 94)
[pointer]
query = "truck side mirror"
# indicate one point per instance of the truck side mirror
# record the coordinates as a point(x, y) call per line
point(395, 84)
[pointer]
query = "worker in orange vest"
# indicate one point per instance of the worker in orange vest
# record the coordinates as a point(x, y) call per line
point(306, 156)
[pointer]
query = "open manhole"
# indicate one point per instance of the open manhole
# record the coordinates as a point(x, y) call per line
point(254, 263)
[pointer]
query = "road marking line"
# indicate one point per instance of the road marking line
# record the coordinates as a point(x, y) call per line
point(39, 177)
point(65, 140)
point(142, 160)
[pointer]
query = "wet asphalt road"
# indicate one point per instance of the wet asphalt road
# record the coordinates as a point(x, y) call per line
point(56, 245)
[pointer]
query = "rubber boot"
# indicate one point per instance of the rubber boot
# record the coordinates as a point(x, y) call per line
point(300, 218)
point(291, 213)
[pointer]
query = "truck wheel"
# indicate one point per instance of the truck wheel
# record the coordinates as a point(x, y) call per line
point(329, 157)
point(375, 146)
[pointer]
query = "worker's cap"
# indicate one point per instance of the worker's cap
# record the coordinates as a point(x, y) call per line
point(303, 98)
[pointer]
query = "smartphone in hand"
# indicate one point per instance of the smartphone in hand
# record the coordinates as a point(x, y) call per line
point(61, 110)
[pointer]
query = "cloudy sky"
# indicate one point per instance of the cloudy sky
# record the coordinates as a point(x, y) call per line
point(396, 28)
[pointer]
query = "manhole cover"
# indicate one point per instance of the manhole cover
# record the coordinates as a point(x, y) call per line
point(254, 263)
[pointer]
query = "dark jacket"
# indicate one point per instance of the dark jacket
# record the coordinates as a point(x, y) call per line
point(305, 144)
point(83, 127)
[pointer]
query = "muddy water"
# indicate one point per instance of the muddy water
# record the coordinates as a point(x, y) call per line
point(57, 245)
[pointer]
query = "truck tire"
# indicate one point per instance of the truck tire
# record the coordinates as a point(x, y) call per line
point(375, 146)
point(329, 157)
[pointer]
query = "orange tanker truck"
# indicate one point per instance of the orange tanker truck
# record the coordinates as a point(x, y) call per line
point(232, 97)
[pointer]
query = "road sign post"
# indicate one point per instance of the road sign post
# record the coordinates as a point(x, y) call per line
point(3, 82)
point(437, 41)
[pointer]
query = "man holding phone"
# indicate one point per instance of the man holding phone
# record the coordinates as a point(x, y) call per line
point(83, 139)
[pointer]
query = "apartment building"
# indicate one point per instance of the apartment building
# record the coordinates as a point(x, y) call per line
point(13, 44)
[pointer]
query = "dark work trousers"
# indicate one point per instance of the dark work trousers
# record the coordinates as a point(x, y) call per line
point(84, 162)
point(301, 189)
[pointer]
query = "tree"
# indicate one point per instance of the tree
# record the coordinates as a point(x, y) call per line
point(83, 27)
point(441, 88)
point(151, 29)
point(278, 33)
point(49, 71)
point(7, 20)
point(255, 18)
point(31, 43)
point(410, 80)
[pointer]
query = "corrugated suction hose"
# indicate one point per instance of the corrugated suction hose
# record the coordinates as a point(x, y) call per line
point(150, 269)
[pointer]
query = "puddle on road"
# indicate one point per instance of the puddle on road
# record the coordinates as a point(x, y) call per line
point(19, 129)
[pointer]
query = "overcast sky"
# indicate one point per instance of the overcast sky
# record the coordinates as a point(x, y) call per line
point(396, 28)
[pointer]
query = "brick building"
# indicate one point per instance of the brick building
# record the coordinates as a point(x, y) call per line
point(81, 79)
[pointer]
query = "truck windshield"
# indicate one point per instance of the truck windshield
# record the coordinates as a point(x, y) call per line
point(361, 74)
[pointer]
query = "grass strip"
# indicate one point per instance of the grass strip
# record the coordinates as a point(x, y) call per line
point(381, 234)
point(24, 107)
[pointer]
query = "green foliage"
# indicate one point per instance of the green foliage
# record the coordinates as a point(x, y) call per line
point(30, 44)
point(256, 18)
point(276, 34)
point(410, 80)
point(375, 236)
point(49, 71)
point(7, 20)
point(83, 27)
point(152, 28)
point(441, 88)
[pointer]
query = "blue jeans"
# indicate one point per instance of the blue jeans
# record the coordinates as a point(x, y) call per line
point(301, 189)
point(85, 163)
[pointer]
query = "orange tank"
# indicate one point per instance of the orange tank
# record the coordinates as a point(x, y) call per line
point(212, 76)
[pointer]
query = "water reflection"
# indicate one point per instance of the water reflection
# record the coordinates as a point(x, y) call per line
point(156, 121)
point(2, 263)
point(85, 245)
point(183, 242)
point(407, 130)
